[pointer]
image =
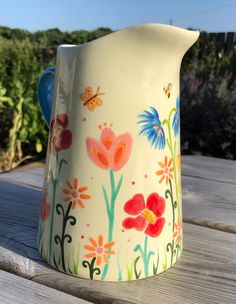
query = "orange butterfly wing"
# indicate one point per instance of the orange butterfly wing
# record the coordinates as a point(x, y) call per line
point(88, 93)
point(93, 103)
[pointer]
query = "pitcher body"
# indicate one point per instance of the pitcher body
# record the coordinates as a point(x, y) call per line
point(111, 206)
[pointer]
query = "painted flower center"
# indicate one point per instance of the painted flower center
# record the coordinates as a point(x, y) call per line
point(158, 129)
point(179, 230)
point(108, 142)
point(57, 131)
point(99, 250)
point(166, 170)
point(149, 215)
point(75, 194)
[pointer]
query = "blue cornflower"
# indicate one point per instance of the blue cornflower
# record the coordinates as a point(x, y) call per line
point(176, 118)
point(152, 128)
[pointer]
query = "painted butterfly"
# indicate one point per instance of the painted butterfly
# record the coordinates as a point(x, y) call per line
point(90, 99)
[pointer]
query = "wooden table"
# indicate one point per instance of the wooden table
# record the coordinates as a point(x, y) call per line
point(206, 273)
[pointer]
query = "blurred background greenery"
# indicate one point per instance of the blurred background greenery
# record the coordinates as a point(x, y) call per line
point(208, 94)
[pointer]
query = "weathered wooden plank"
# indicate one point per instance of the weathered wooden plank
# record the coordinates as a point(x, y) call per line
point(19, 205)
point(206, 201)
point(16, 290)
point(205, 274)
point(207, 269)
point(32, 178)
point(208, 266)
point(209, 203)
point(203, 167)
point(208, 168)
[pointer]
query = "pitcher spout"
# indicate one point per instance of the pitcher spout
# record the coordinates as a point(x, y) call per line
point(170, 37)
point(184, 39)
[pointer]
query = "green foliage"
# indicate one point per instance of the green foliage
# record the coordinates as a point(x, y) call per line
point(23, 57)
point(208, 100)
point(208, 94)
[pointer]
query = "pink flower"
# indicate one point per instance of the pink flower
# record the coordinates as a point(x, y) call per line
point(60, 136)
point(45, 208)
point(111, 152)
point(147, 216)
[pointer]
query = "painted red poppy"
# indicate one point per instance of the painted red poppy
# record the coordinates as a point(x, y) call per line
point(60, 136)
point(146, 216)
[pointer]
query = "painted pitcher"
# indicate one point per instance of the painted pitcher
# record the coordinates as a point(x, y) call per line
point(111, 205)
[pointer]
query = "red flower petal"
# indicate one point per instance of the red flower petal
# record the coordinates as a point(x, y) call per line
point(52, 124)
point(135, 205)
point(120, 151)
point(61, 141)
point(66, 139)
point(139, 223)
point(156, 203)
point(155, 230)
point(98, 153)
point(62, 120)
point(45, 208)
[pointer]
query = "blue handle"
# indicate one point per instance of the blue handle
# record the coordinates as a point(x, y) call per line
point(45, 92)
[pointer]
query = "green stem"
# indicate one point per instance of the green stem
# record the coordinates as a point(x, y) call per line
point(169, 193)
point(177, 254)
point(155, 267)
point(61, 239)
point(137, 274)
point(110, 207)
point(92, 270)
point(54, 186)
point(173, 203)
point(146, 255)
point(176, 186)
point(170, 246)
point(172, 151)
point(63, 236)
point(118, 266)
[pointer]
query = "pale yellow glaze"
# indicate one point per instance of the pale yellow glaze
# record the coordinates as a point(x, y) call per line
point(131, 67)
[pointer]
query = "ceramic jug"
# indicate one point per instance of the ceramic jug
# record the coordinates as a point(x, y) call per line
point(111, 205)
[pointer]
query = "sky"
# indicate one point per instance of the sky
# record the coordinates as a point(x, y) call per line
point(68, 15)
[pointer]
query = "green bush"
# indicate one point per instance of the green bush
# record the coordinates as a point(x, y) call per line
point(208, 94)
point(23, 57)
point(208, 101)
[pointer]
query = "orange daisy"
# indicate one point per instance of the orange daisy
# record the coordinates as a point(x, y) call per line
point(99, 250)
point(178, 231)
point(167, 169)
point(75, 193)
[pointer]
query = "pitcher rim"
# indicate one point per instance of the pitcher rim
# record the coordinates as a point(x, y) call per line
point(133, 27)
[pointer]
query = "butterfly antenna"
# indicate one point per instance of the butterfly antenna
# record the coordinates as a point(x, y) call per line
point(99, 93)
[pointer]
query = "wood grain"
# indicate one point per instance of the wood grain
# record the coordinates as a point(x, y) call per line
point(205, 168)
point(209, 202)
point(209, 193)
point(21, 291)
point(209, 168)
point(19, 204)
point(32, 178)
point(207, 268)
point(206, 273)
